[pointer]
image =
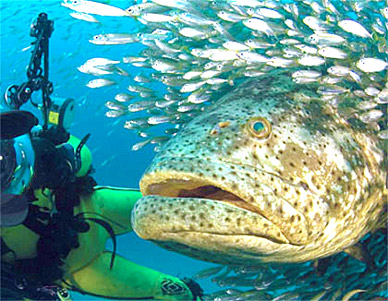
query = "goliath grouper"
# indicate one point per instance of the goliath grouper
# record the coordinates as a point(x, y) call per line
point(270, 173)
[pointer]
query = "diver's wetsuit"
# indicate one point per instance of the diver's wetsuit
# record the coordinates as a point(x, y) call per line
point(87, 267)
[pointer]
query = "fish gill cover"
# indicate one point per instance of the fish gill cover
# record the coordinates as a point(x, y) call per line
point(200, 50)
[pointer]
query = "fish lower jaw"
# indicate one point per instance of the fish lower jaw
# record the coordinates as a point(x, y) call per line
point(224, 248)
point(216, 236)
point(226, 196)
point(215, 228)
point(236, 247)
point(210, 227)
point(159, 217)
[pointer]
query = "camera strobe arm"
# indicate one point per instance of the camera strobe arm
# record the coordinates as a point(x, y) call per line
point(38, 77)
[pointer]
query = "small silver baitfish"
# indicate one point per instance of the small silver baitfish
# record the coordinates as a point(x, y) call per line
point(263, 176)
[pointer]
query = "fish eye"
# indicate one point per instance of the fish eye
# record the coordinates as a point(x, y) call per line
point(241, 55)
point(259, 127)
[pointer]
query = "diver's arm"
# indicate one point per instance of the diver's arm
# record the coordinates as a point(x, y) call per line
point(127, 280)
point(115, 204)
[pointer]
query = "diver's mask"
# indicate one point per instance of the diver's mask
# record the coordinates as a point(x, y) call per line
point(17, 160)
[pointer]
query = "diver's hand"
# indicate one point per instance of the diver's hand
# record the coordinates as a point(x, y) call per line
point(194, 287)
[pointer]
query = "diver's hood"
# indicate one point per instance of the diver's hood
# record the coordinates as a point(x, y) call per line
point(17, 164)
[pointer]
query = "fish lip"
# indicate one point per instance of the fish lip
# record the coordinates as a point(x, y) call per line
point(233, 256)
point(269, 238)
point(200, 172)
point(154, 183)
point(166, 232)
point(191, 188)
point(157, 190)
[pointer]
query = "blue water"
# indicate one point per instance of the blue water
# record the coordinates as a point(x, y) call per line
point(109, 141)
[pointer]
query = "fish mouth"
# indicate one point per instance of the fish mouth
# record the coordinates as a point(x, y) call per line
point(201, 190)
point(212, 206)
point(184, 209)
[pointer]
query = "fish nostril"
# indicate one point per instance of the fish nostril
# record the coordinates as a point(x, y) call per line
point(223, 124)
point(217, 128)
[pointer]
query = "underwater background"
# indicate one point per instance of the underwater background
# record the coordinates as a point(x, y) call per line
point(114, 162)
point(110, 143)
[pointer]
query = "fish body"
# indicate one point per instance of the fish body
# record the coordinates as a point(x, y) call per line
point(94, 8)
point(369, 65)
point(99, 82)
point(354, 28)
point(84, 17)
point(100, 66)
point(138, 9)
point(151, 17)
point(114, 39)
point(259, 25)
point(279, 180)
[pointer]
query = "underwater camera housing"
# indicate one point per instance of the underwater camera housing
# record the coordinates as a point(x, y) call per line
point(61, 112)
point(55, 158)
point(55, 162)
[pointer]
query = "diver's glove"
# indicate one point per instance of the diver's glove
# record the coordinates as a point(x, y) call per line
point(194, 287)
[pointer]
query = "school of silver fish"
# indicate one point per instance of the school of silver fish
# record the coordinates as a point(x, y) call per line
point(339, 277)
point(198, 49)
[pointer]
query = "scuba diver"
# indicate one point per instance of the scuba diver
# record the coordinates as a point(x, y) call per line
point(55, 221)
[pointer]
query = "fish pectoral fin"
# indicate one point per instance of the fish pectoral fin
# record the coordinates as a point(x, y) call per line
point(358, 252)
point(383, 218)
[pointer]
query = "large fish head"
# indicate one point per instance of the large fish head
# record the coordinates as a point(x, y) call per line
point(262, 177)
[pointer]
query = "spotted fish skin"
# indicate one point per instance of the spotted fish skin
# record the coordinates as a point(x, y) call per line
point(263, 177)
